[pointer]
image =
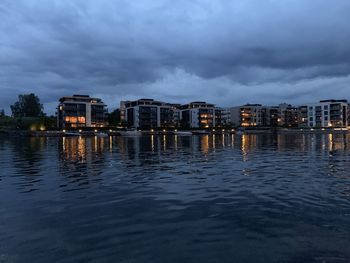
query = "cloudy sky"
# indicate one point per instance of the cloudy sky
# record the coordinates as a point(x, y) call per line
point(227, 52)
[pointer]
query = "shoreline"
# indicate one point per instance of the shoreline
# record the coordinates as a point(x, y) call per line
point(239, 131)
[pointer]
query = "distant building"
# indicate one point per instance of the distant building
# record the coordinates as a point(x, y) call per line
point(219, 121)
point(225, 117)
point(122, 110)
point(177, 115)
point(235, 116)
point(81, 111)
point(199, 114)
point(303, 116)
point(249, 115)
point(287, 116)
point(328, 113)
point(147, 114)
point(273, 116)
point(257, 115)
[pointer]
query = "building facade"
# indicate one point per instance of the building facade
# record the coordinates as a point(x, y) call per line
point(287, 116)
point(303, 116)
point(81, 111)
point(199, 114)
point(328, 113)
point(226, 117)
point(257, 115)
point(147, 114)
point(249, 115)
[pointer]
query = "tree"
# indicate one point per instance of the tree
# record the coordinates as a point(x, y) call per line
point(2, 113)
point(28, 105)
point(114, 117)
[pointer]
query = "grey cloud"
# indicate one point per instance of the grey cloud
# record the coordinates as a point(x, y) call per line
point(124, 49)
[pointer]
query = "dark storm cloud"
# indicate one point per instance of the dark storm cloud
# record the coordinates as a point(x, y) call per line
point(228, 52)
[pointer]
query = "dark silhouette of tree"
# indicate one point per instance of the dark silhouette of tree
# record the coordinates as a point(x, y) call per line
point(28, 105)
point(114, 117)
point(2, 113)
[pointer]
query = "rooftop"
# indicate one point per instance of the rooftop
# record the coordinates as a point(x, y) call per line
point(80, 98)
point(334, 101)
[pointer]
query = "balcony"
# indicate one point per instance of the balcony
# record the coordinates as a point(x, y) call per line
point(335, 107)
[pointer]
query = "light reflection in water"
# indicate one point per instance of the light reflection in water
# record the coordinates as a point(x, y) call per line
point(164, 142)
point(176, 141)
point(152, 142)
point(245, 146)
point(81, 148)
point(205, 144)
point(213, 145)
point(77, 148)
point(110, 138)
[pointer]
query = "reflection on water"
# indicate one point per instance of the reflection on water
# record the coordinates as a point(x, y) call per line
point(169, 198)
point(82, 149)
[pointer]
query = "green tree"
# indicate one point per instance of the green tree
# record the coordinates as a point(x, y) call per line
point(114, 117)
point(2, 113)
point(28, 105)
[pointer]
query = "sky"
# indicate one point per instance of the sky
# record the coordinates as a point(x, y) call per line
point(227, 52)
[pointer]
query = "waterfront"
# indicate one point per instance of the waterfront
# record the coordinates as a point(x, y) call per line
point(212, 198)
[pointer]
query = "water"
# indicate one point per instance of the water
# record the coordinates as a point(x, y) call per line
point(223, 198)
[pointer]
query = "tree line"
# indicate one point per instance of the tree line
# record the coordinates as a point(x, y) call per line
point(28, 105)
point(27, 113)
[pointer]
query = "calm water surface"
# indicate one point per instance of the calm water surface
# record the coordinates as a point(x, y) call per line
point(250, 198)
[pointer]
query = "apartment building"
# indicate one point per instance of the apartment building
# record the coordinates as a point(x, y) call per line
point(147, 113)
point(303, 116)
point(219, 120)
point(225, 117)
point(328, 113)
point(249, 115)
point(287, 116)
point(199, 114)
point(81, 111)
point(255, 115)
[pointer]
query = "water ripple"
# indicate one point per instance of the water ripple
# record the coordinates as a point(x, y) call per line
point(250, 198)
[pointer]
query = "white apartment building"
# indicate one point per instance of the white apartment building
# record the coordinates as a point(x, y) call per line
point(199, 114)
point(327, 113)
point(81, 111)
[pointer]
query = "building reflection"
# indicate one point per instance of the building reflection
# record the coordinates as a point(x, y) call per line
point(82, 158)
point(149, 149)
point(205, 144)
point(337, 142)
point(82, 149)
point(152, 147)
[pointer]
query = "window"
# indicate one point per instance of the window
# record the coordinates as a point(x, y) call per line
point(325, 107)
point(311, 119)
point(311, 108)
point(74, 119)
point(326, 118)
point(326, 113)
